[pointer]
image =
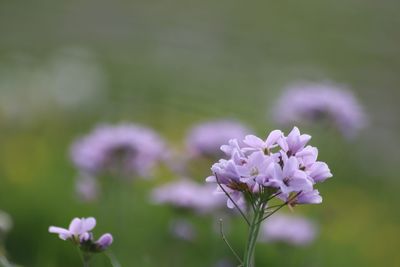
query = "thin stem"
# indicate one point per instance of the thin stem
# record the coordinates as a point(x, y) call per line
point(280, 206)
point(227, 242)
point(81, 256)
point(85, 261)
point(252, 201)
point(274, 195)
point(230, 198)
point(271, 213)
point(272, 207)
point(253, 234)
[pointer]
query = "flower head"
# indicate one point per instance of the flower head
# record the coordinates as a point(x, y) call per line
point(313, 101)
point(280, 165)
point(205, 139)
point(78, 229)
point(124, 149)
point(293, 230)
point(79, 232)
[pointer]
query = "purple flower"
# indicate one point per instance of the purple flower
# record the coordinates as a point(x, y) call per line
point(79, 232)
point(280, 164)
point(205, 139)
point(313, 101)
point(189, 195)
point(255, 143)
point(310, 197)
point(78, 229)
point(289, 229)
point(87, 188)
point(124, 149)
point(104, 241)
point(291, 178)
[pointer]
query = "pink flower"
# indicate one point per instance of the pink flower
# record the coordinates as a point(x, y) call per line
point(289, 229)
point(78, 228)
point(315, 102)
point(79, 231)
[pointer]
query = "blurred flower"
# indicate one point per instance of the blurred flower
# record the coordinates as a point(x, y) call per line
point(79, 232)
point(87, 188)
point(189, 195)
point(282, 165)
point(313, 102)
point(289, 229)
point(182, 229)
point(205, 139)
point(123, 149)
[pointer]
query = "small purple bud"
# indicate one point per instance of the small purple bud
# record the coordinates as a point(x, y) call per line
point(104, 241)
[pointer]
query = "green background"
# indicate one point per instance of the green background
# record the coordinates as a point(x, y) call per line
point(170, 64)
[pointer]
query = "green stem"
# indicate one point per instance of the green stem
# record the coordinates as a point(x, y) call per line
point(253, 234)
point(86, 259)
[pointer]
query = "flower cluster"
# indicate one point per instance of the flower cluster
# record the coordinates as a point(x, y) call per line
point(312, 102)
point(281, 166)
point(123, 149)
point(79, 232)
point(289, 229)
point(206, 138)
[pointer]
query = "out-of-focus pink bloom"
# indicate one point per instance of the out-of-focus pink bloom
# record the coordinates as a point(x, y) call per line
point(205, 139)
point(310, 102)
point(189, 195)
point(87, 188)
point(288, 229)
point(123, 149)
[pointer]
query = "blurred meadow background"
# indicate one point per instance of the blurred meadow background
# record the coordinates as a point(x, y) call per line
point(67, 66)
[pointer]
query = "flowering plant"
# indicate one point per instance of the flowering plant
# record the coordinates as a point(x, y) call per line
point(79, 233)
point(258, 171)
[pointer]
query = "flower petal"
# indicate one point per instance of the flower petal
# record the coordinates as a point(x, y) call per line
point(75, 226)
point(88, 224)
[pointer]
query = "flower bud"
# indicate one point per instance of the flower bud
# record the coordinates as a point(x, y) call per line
point(104, 241)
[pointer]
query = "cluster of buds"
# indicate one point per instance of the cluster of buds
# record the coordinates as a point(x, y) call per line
point(79, 232)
